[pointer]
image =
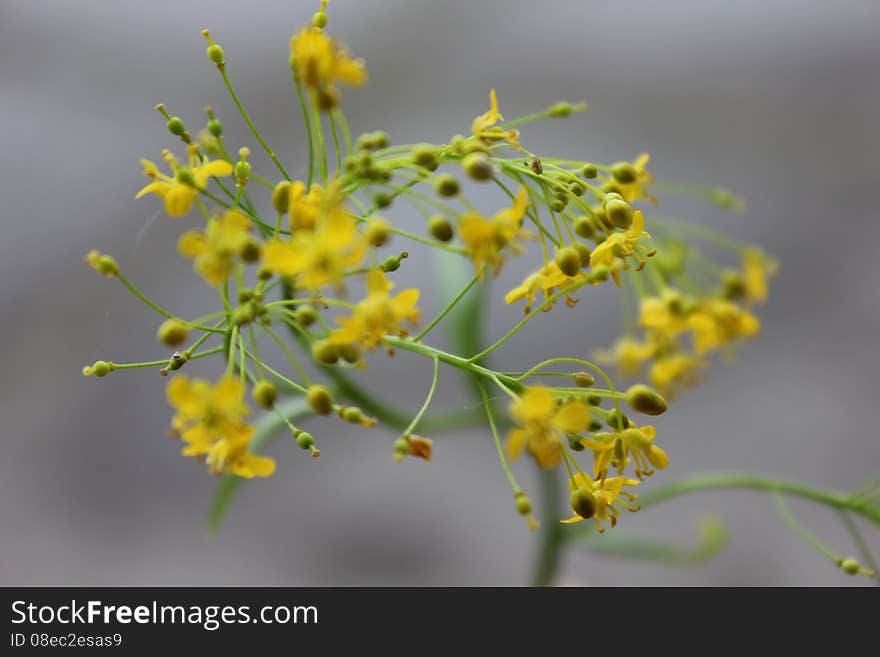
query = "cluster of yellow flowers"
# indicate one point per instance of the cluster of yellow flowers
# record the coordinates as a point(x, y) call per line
point(327, 236)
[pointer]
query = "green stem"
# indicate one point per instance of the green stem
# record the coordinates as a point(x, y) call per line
point(250, 124)
point(551, 537)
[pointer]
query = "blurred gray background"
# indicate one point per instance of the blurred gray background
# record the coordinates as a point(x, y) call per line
point(779, 101)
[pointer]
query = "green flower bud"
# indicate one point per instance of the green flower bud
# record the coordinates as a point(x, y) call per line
point(320, 399)
point(325, 352)
point(610, 188)
point(850, 566)
point(440, 228)
point(382, 200)
point(589, 171)
point(281, 197)
point(446, 185)
point(264, 393)
point(424, 155)
point(378, 231)
point(560, 109)
point(594, 400)
point(616, 421)
point(734, 286)
point(574, 442)
point(215, 127)
point(401, 445)
point(319, 20)
point(568, 261)
point(243, 315)
point(172, 333)
point(242, 172)
point(102, 368)
point(478, 166)
point(381, 139)
point(558, 204)
point(175, 126)
point(594, 425)
point(264, 273)
point(215, 54)
point(583, 252)
point(392, 263)
point(250, 251)
point(646, 400)
point(583, 503)
point(523, 505)
point(106, 266)
point(352, 414)
point(577, 188)
point(624, 172)
point(583, 227)
point(305, 440)
point(305, 315)
point(350, 353)
point(584, 379)
point(619, 213)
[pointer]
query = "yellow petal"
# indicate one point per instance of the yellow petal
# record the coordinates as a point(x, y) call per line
point(572, 417)
point(191, 244)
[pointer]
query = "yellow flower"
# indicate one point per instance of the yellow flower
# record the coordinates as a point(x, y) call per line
point(756, 268)
point(180, 190)
point(482, 127)
point(215, 248)
point(674, 371)
point(319, 61)
point(605, 498)
point(378, 314)
point(317, 258)
point(541, 422)
point(716, 323)
point(638, 188)
point(663, 316)
point(487, 238)
point(613, 252)
point(210, 419)
point(627, 354)
point(546, 279)
point(634, 444)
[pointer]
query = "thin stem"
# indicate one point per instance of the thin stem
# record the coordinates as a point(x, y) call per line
point(131, 288)
point(250, 124)
point(449, 307)
point(308, 121)
point(412, 425)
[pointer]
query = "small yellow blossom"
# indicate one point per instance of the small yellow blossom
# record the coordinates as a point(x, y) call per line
point(756, 268)
point(628, 354)
point(618, 448)
point(487, 238)
point(546, 279)
point(613, 252)
point(607, 496)
point(215, 248)
point(671, 372)
point(180, 190)
point(317, 258)
point(378, 314)
point(319, 61)
point(717, 323)
point(482, 127)
point(541, 422)
point(210, 419)
point(663, 316)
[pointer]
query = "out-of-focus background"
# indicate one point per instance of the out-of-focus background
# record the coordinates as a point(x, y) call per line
point(779, 101)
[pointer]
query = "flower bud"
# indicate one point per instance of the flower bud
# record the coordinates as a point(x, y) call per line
point(350, 353)
point(583, 252)
point(215, 127)
point(175, 126)
point(616, 421)
point(583, 227)
point(264, 393)
point(589, 171)
point(646, 400)
point(392, 263)
point(584, 379)
point(382, 200)
point(440, 228)
point(319, 20)
point(478, 166)
point(320, 399)
point(305, 315)
point(425, 155)
point(446, 185)
point(305, 440)
point(172, 333)
point(619, 213)
point(215, 54)
point(583, 503)
point(568, 261)
point(325, 352)
point(378, 231)
point(577, 188)
point(523, 504)
point(560, 109)
point(850, 566)
point(101, 368)
point(624, 172)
